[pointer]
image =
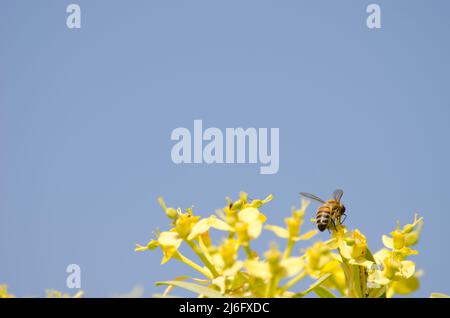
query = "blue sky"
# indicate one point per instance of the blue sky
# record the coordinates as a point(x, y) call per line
point(86, 117)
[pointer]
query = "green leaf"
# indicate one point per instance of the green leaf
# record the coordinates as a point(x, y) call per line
point(311, 288)
point(198, 289)
point(439, 295)
point(369, 255)
point(324, 292)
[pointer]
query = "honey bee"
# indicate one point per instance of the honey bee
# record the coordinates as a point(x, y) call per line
point(330, 211)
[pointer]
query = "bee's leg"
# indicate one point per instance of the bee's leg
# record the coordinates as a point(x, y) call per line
point(334, 224)
point(329, 226)
point(345, 216)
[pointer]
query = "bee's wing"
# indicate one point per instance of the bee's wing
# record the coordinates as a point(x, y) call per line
point(337, 194)
point(312, 196)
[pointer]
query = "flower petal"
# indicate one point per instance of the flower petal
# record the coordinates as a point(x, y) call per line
point(307, 235)
point(361, 262)
point(219, 224)
point(248, 215)
point(381, 255)
point(140, 248)
point(254, 229)
point(278, 230)
point(258, 269)
point(388, 241)
point(345, 250)
point(169, 239)
point(200, 227)
point(293, 265)
point(406, 286)
point(408, 268)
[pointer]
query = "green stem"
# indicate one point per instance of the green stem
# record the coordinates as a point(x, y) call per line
point(203, 258)
point(289, 246)
point(348, 276)
point(192, 264)
point(273, 285)
point(268, 287)
point(293, 281)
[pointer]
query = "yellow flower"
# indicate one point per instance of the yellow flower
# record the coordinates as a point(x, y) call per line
point(359, 243)
point(184, 224)
point(352, 246)
point(396, 269)
point(403, 238)
point(359, 246)
point(4, 292)
point(228, 252)
point(274, 265)
point(293, 226)
point(317, 256)
point(249, 225)
point(169, 242)
point(352, 270)
point(392, 270)
point(258, 268)
point(404, 286)
point(204, 225)
point(320, 260)
point(395, 272)
point(232, 208)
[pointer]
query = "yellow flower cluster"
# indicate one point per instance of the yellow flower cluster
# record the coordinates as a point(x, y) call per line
point(343, 265)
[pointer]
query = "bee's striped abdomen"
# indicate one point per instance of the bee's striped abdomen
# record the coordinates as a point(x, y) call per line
point(323, 217)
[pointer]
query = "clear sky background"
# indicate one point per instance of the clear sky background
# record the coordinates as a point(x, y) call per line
point(86, 117)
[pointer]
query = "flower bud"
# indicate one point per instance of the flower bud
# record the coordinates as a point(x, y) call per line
point(237, 205)
point(411, 239)
point(172, 213)
point(152, 244)
point(399, 239)
point(257, 203)
point(408, 228)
